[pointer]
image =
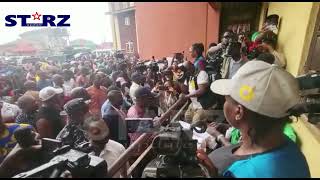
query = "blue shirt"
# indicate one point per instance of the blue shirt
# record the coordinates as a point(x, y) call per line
point(286, 161)
point(7, 140)
point(105, 108)
point(43, 83)
point(115, 123)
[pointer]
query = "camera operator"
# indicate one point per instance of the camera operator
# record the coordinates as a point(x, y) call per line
point(234, 62)
point(145, 100)
point(258, 99)
point(73, 134)
point(227, 37)
point(142, 108)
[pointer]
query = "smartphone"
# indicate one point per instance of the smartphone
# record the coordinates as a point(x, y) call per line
point(139, 125)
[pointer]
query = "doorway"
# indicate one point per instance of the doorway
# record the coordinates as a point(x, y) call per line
point(240, 17)
point(313, 62)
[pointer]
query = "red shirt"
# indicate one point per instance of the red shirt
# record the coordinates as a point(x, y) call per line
point(82, 81)
point(137, 112)
point(98, 97)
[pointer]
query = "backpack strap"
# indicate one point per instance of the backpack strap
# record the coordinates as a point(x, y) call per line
point(195, 80)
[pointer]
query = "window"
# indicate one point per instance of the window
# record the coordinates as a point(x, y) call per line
point(127, 21)
point(129, 47)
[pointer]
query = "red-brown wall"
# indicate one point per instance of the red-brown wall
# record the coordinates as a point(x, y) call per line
point(164, 28)
point(127, 33)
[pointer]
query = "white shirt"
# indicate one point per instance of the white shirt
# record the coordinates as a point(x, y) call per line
point(68, 86)
point(234, 66)
point(10, 111)
point(112, 151)
point(202, 78)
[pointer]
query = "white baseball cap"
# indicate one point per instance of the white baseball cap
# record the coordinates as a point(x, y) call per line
point(98, 130)
point(261, 87)
point(48, 92)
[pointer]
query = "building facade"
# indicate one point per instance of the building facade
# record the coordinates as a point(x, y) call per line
point(45, 41)
point(123, 26)
point(162, 29)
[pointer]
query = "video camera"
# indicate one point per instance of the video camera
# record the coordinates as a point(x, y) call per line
point(140, 67)
point(154, 67)
point(310, 93)
point(176, 154)
point(55, 159)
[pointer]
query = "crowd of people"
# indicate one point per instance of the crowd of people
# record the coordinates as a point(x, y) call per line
point(87, 100)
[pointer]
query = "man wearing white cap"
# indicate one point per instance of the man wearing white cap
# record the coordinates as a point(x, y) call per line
point(109, 150)
point(258, 98)
point(48, 120)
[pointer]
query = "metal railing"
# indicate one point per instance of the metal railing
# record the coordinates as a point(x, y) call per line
point(123, 159)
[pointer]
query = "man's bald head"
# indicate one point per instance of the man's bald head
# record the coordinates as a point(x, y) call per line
point(115, 97)
point(30, 86)
point(27, 103)
point(80, 92)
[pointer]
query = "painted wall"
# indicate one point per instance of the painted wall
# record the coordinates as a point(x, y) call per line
point(127, 32)
point(213, 26)
point(297, 26)
point(293, 30)
point(164, 28)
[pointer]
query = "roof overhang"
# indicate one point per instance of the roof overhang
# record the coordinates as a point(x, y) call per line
point(121, 11)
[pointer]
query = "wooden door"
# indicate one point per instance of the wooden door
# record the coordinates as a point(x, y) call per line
point(240, 13)
point(313, 61)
